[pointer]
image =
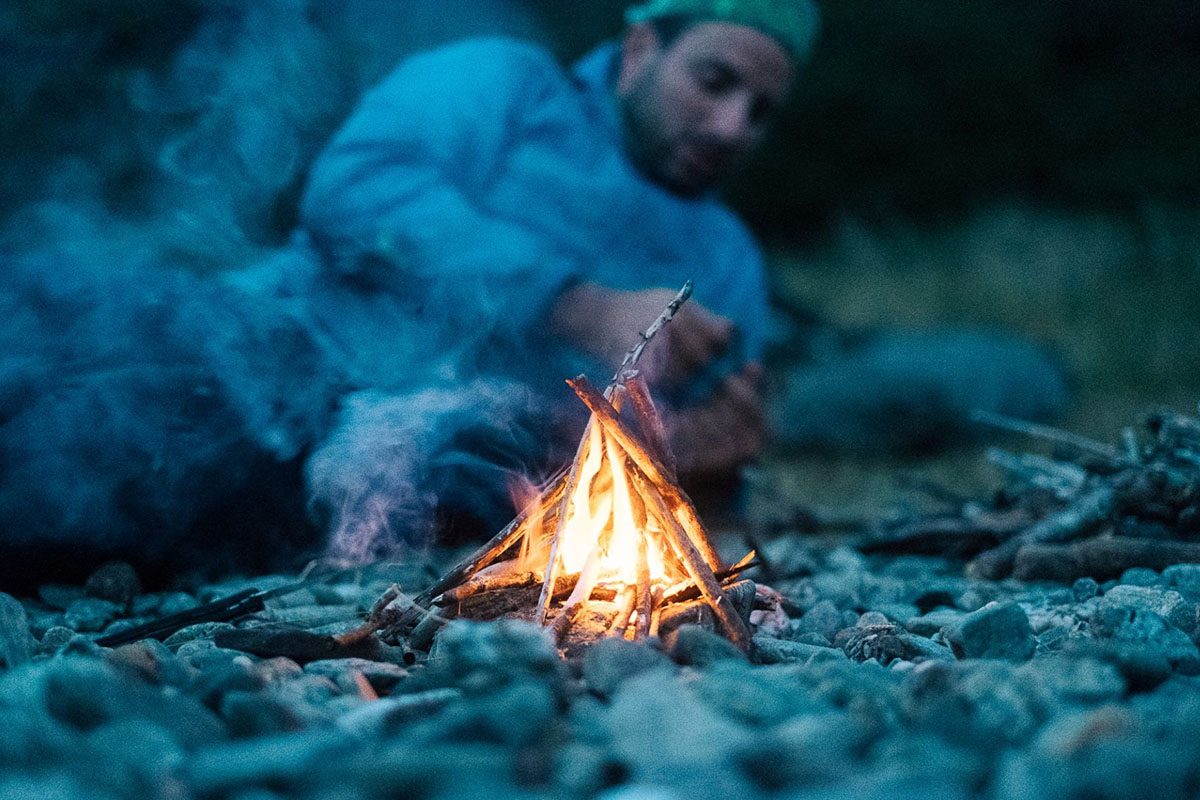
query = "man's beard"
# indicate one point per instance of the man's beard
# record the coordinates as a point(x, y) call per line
point(649, 151)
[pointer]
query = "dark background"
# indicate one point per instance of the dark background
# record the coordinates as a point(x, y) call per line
point(925, 108)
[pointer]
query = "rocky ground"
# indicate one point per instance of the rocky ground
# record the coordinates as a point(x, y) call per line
point(886, 678)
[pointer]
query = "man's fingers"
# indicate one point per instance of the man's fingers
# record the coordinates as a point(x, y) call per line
point(699, 338)
point(740, 395)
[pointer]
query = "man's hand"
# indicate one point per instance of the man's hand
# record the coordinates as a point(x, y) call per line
point(726, 432)
point(605, 324)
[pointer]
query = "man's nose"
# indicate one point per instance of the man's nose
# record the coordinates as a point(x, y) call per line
point(731, 121)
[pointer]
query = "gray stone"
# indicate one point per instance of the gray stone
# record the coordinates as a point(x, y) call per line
point(824, 618)
point(814, 639)
point(339, 594)
point(313, 692)
point(934, 621)
point(442, 770)
point(390, 714)
point(81, 645)
point(115, 581)
point(218, 676)
point(1085, 589)
point(897, 612)
point(303, 596)
point(1140, 576)
point(139, 758)
point(175, 603)
point(886, 643)
point(769, 650)
point(695, 646)
point(145, 605)
point(16, 643)
point(54, 639)
point(118, 626)
point(202, 630)
point(807, 751)
point(584, 770)
point(868, 618)
point(1184, 577)
point(58, 595)
point(277, 671)
point(151, 660)
point(1132, 632)
point(249, 714)
point(382, 676)
point(41, 620)
point(1000, 630)
point(282, 759)
point(1168, 604)
point(515, 716)
point(752, 695)
point(85, 693)
point(670, 737)
point(610, 661)
point(1081, 680)
point(48, 785)
point(91, 615)
point(741, 596)
point(479, 656)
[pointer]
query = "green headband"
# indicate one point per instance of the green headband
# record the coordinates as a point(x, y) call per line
point(792, 23)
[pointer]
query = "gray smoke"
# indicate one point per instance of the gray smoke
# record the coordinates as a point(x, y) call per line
point(165, 338)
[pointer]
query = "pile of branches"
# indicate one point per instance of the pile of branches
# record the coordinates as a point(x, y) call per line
point(1091, 509)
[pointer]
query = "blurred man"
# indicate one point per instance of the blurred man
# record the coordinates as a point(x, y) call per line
point(535, 219)
point(495, 215)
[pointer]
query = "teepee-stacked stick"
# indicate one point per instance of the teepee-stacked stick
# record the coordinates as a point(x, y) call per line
point(674, 511)
point(630, 478)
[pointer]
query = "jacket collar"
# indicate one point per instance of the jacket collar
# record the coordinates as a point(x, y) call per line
point(596, 75)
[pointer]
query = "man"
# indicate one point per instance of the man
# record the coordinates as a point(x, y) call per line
point(533, 220)
point(488, 217)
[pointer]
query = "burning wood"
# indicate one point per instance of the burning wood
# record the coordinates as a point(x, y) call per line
point(614, 526)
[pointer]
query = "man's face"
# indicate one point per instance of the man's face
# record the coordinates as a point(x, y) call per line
point(691, 109)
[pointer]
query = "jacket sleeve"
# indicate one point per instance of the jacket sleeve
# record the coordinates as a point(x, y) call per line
point(400, 189)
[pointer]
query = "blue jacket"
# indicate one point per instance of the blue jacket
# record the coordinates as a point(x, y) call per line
point(481, 179)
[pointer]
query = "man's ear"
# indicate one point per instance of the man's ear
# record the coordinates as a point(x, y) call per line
point(639, 47)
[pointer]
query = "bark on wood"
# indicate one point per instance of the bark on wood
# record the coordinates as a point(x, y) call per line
point(668, 313)
point(644, 598)
point(657, 475)
point(1081, 444)
point(649, 423)
point(681, 542)
point(563, 515)
point(401, 619)
point(1100, 558)
point(503, 575)
point(1089, 510)
point(626, 601)
point(688, 590)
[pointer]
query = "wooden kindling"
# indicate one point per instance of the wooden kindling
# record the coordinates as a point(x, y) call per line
point(656, 474)
point(623, 532)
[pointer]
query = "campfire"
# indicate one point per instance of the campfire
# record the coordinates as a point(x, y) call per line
point(609, 547)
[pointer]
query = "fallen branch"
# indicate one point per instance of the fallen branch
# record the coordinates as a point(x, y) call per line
point(1089, 510)
point(1081, 444)
point(1101, 558)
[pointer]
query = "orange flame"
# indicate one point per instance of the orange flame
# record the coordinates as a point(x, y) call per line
point(606, 518)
